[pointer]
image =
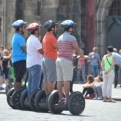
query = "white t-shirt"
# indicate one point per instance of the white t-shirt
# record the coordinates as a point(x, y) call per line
point(33, 56)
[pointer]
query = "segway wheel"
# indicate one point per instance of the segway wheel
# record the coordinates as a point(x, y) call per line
point(22, 99)
point(39, 96)
point(15, 98)
point(52, 100)
point(76, 103)
point(9, 94)
point(32, 100)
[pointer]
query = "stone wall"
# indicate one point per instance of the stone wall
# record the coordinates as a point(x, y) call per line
point(1, 13)
point(102, 10)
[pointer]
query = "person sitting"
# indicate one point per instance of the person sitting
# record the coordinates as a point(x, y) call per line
point(97, 86)
point(87, 87)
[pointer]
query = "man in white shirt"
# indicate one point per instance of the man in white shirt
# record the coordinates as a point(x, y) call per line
point(34, 58)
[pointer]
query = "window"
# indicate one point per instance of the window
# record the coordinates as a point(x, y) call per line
point(115, 9)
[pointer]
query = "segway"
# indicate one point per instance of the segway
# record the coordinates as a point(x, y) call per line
point(28, 104)
point(75, 103)
point(41, 101)
point(13, 96)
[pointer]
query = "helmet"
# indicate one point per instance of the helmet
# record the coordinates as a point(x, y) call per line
point(49, 24)
point(33, 26)
point(67, 23)
point(18, 23)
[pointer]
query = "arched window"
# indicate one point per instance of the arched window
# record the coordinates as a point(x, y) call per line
point(115, 9)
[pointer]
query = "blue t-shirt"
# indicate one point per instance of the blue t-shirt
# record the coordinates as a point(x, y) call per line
point(95, 60)
point(118, 58)
point(17, 52)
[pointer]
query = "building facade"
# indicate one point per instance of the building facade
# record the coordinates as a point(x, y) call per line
point(97, 21)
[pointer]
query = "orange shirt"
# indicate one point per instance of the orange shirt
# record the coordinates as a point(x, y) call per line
point(48, 43)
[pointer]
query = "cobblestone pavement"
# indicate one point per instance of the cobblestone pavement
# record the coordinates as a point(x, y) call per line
point(94, 111)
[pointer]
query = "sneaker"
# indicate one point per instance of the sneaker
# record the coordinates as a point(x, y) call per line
point(62, 101)
point(100, 98)
point(95, 98)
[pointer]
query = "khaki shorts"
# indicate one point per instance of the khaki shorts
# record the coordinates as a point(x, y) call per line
point(64, 69)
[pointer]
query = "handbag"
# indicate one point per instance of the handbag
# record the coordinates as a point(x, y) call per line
point(109, 63)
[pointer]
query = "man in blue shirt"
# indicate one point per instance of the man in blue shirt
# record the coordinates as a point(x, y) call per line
point(94, 62)
point(117, 63)
point(19, 52)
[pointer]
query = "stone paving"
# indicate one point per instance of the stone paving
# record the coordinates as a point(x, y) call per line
point(94, 111)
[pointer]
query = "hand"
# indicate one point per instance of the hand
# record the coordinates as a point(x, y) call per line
point(85, 56)
point(105, 72)
point(78, 56)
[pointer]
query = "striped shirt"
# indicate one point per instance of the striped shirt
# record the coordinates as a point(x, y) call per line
point(66, 43)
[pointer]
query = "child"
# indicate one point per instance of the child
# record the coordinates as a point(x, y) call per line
point(88, 87)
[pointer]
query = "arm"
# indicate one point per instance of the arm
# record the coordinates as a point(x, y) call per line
point(7, 57)
point(23, 48)
point(41, 51)
point(102, 64)
point(55, 46)
point(1, 65)
point(88, 85)
point(79, 52)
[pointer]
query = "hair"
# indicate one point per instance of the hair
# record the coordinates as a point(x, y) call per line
point(66, 29)
point(95, 48)
point(90, 78)
point(17, 29)
point(114, 50)
point(110, 48)
point(6, 52)
point(100, 78)
point(33, 32)
point(50, 28)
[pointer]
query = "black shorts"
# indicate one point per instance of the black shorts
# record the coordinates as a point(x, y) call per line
point(19, 69)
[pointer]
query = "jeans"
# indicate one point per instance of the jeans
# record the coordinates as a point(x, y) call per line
point(119, 77)
point(116, 75)
point(94, 70)
point(34, 76)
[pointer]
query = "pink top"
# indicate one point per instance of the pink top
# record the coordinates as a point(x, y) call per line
point(81, 62)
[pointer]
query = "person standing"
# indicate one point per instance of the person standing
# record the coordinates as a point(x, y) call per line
point(49, 44)
point(64, 66)
point(107, 65)
point(5, 65)
point(34, 57)
point(19, 52)
point(117, 63)
point(94, 62)
point(120, 69)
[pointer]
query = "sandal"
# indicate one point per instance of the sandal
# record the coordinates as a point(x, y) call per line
point(104, 100)
point(112, 101)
